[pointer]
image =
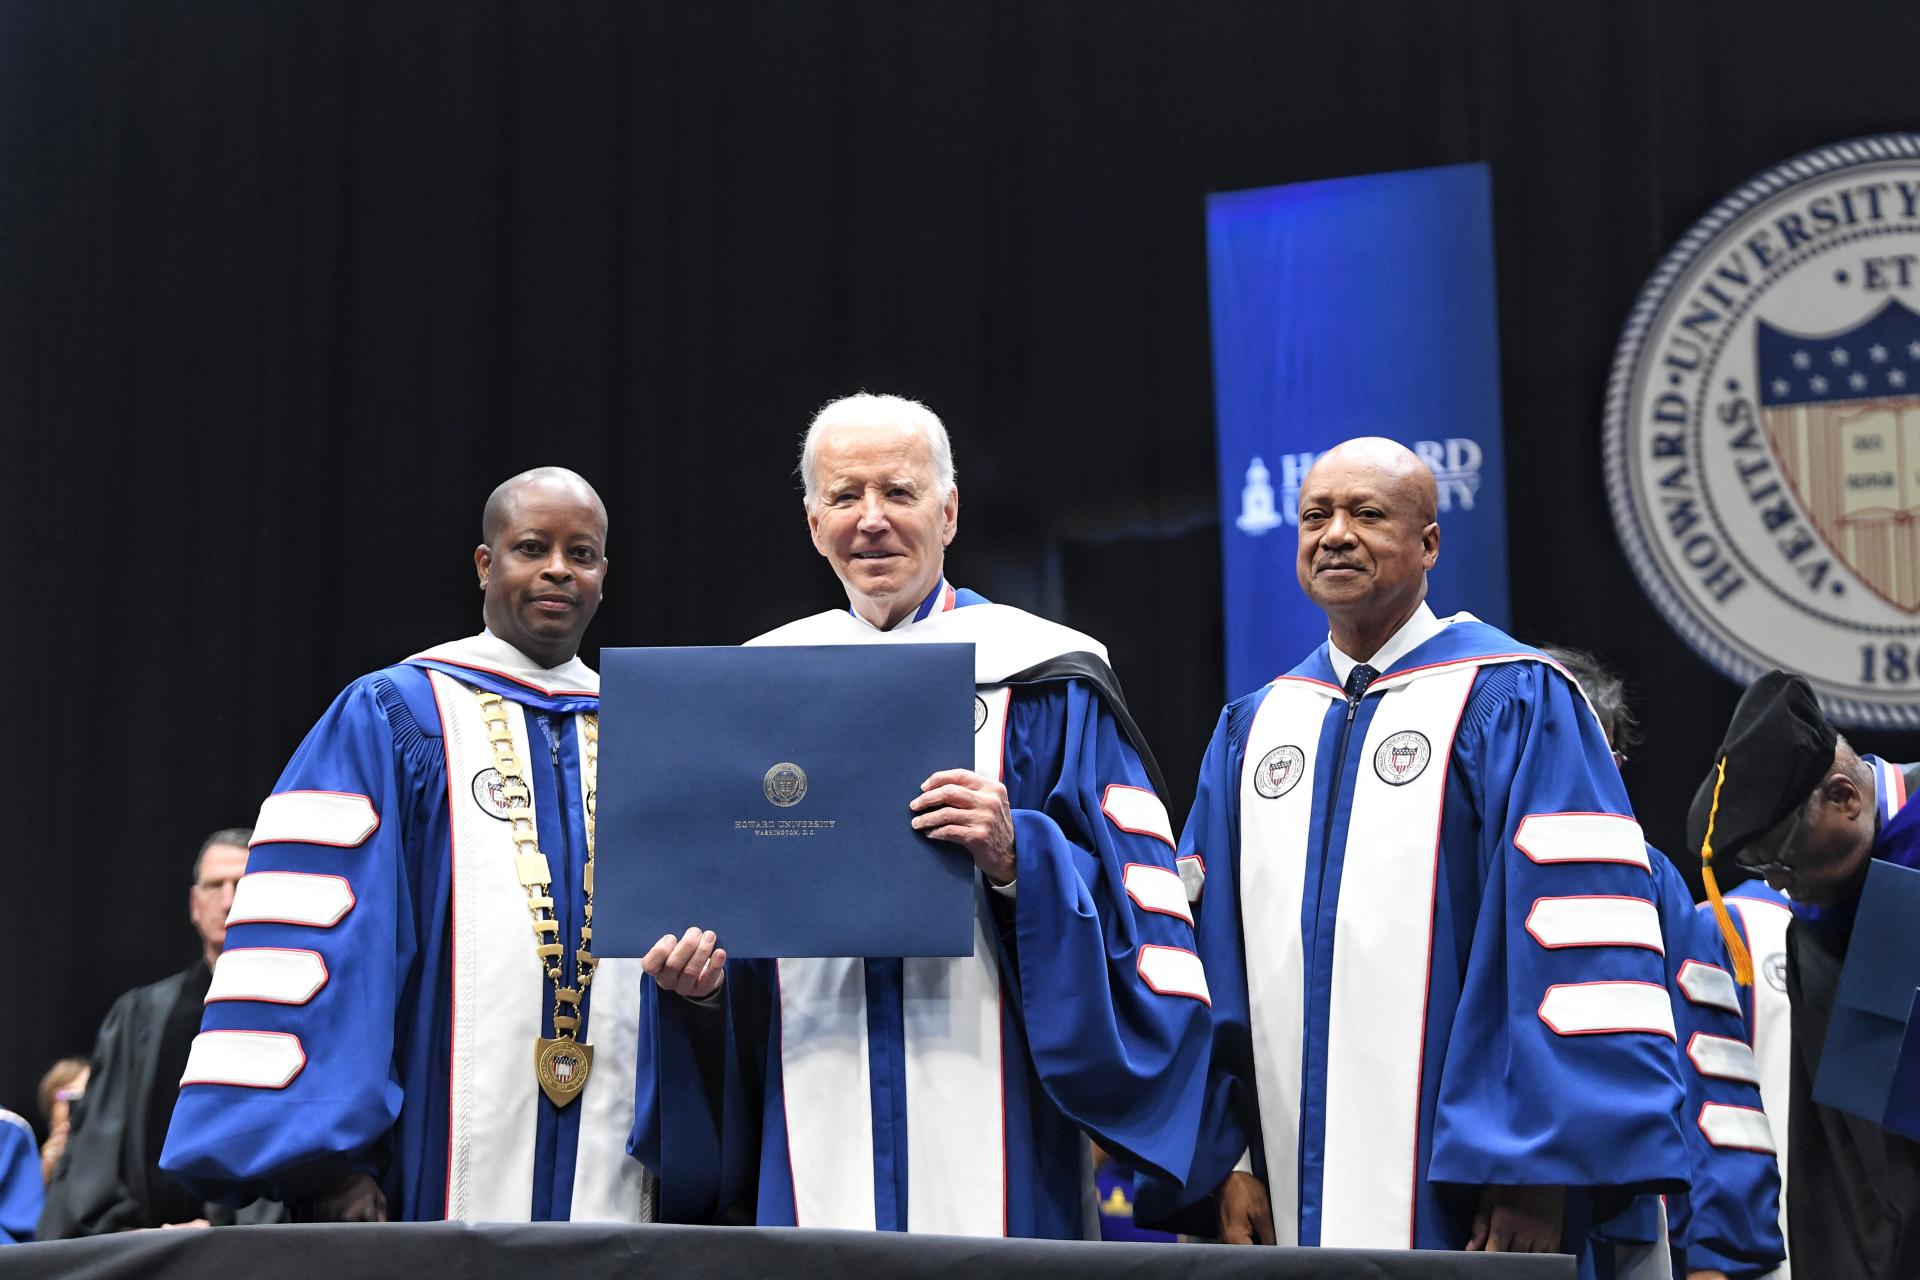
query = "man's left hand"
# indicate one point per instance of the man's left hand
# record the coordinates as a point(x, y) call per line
point(971, 811)
point(1519, 1219)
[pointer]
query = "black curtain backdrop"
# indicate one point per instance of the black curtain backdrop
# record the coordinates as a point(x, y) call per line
point(285, 288)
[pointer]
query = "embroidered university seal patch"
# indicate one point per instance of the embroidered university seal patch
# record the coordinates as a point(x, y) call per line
point(489, 792)
point(1776, 970)
point(1279, 771)
point(1402, 757)
point(1763, 430)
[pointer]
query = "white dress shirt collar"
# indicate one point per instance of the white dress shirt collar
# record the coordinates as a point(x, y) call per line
point(1413, 633)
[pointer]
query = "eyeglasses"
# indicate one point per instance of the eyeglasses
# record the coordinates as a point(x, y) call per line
point(1764, 858)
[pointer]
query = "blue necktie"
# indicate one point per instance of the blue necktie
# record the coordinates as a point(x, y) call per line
point(1358, 679)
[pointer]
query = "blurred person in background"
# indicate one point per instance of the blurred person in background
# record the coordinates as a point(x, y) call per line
point(60, 1088)
point(108, 1178)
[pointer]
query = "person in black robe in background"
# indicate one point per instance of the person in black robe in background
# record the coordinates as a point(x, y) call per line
point(109, 1177)
point(1798, 806)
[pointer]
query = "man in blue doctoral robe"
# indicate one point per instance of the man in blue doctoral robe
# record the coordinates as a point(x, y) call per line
point(1791, 800)
point(941, 1095)
point(1760, 915)
point(1729, 1221)
point(400, 1024)
point(1726, 1225)
point(1483, 1057)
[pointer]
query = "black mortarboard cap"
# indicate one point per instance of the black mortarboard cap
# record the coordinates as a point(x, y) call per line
point(1777, 749)
point(1775, 753)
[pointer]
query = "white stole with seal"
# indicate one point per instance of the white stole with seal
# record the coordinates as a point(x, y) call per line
point(500, 997)
point(1382, 945)
point(953, 1055)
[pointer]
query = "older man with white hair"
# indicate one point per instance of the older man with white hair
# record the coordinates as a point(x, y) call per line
point(951, 1095)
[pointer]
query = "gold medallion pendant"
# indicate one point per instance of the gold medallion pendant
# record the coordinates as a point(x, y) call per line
point(562, 1065)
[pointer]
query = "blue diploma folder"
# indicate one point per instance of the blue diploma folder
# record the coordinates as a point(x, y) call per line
point(1871, 1059)
point(763, 793)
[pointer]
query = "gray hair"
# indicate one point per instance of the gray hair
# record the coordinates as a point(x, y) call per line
point(1606, 693)
point(866, 410)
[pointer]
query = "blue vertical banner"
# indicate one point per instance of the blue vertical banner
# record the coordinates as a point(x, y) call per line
point(1354, 307)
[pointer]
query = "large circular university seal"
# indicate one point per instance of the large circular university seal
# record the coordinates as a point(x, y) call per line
point(785, 784)
point(1763, 430)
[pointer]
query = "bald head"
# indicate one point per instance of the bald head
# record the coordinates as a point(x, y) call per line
point(1390, 465)
point(1367, 538)
point(542, 562)
point(556, 482)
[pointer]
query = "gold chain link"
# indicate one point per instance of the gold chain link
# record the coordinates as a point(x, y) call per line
point(531, 865)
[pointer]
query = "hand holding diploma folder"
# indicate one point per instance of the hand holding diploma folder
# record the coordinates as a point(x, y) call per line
point(767, 795)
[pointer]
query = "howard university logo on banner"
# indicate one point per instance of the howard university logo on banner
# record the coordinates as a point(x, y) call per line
point(1455, 464)
point(1763, 430)
point(1299, 366)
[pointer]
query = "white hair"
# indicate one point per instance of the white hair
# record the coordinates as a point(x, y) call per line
point(866, 410)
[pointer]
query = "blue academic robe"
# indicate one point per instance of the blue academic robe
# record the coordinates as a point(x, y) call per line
point(1729, 1217)
point(955, 1095)
point(1494, 1011)
point(1729, 1175)
point(376, 1005)
point(20, 1186)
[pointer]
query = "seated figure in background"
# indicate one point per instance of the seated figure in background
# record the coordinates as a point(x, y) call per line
point(63, 1085)
point(109, 1178)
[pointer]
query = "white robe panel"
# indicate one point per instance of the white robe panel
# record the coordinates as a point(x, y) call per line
point(1377, 1019)
point(953, 1056)
point(500, 995)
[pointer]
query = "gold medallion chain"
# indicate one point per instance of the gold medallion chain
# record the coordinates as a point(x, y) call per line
point(561, 1062)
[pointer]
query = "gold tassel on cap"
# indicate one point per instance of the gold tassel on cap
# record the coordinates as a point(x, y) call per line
point(1736, 948)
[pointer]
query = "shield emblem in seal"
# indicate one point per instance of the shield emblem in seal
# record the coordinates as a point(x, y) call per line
point(785, 784)
point(1402, 757)
point(1842, 414)
point(1279, 771)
